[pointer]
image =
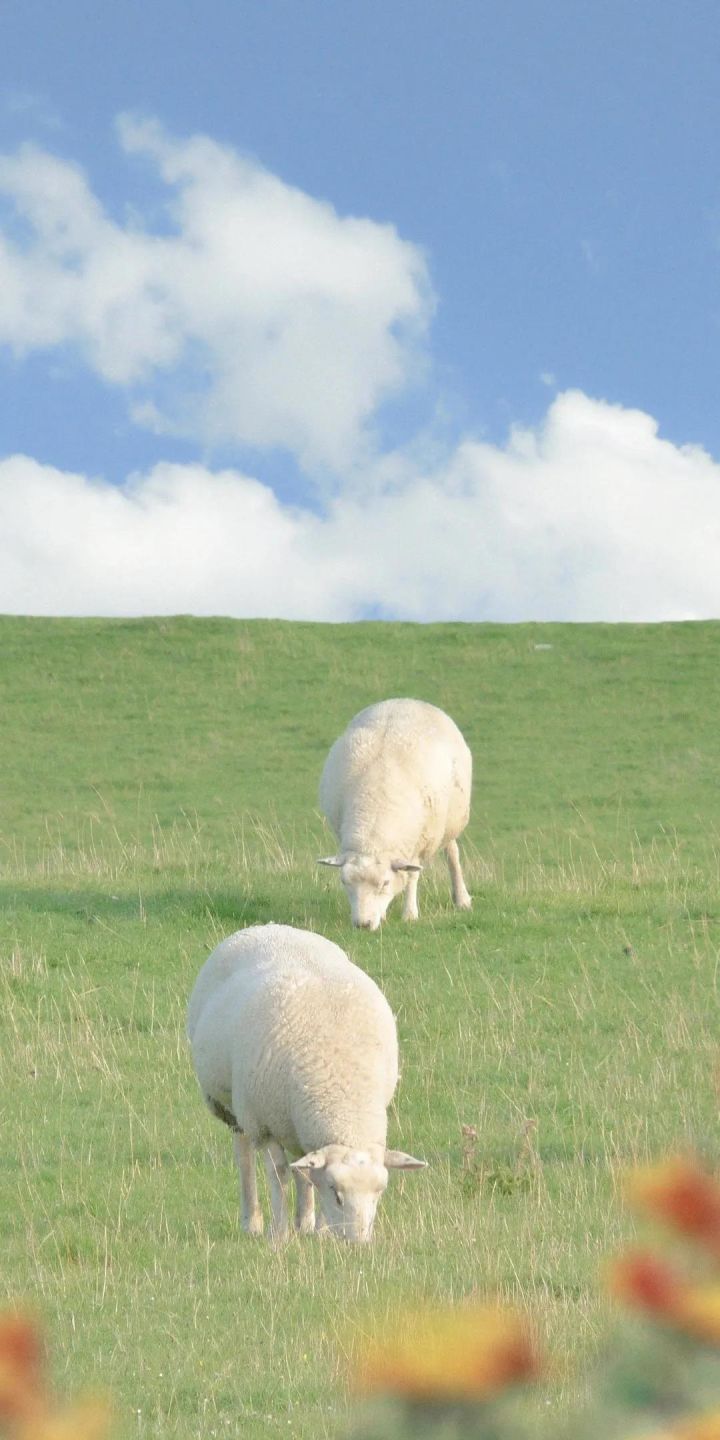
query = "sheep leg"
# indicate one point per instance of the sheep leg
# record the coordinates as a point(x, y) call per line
point(251, 1214)
point(304, 1205)
point(278, 1173)
point(459, 892)
point(410, 905)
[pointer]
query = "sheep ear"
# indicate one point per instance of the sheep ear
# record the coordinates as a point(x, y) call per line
point(331, 860)
point(314, 1160)
point(398, 1160)
point(404, 865)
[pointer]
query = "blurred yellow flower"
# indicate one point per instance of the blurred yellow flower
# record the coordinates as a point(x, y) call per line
point(694, 1427)
point(88, 1420)
point(460, 1354)
point(699, 1312)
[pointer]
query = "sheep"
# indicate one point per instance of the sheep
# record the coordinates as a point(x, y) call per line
point(295, 1049)
point(395, 788)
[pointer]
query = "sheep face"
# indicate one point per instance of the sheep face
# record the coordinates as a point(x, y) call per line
point(349, 1185)
point(370, 883)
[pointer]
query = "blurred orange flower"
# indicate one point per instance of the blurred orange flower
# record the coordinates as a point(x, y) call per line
point(459, 1354)
point(21, 1368)
point(683, 1195)
point(649, 1284)
point(646, 1282)
point(25, 1410)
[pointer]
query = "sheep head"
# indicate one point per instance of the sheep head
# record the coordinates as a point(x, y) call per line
point(350, 1183)
point(371, 882)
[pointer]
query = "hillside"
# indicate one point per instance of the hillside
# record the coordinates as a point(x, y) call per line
point(159, 785)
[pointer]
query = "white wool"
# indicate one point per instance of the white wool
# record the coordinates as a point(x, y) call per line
point(292, 1038)
point(296, 1048)
point(396, 789)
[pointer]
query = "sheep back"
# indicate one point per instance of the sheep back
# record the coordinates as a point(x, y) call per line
point(294, 1041)
point(398, 780)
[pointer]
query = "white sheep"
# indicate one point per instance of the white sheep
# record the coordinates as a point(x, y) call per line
point(295, 1048)
point(396, 788)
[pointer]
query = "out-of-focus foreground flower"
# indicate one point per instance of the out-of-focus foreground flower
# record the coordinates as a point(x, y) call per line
point(463, 1354)
point(647, 1283)
point(683, 1195)
point(27, 1412)
point(21, 1369)
point(693, 1427)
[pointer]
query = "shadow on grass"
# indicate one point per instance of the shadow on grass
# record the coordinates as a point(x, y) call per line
point(226, 906)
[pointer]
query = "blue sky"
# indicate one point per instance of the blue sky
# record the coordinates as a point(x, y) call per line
point(426, 325)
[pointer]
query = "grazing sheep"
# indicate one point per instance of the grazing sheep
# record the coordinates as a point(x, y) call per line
point(396, 788)
point(295, 1049)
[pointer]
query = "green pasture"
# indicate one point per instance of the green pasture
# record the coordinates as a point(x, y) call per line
point(158, 791)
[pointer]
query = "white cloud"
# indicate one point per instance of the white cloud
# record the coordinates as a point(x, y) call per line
point(590, 517)
point(30, 106)
point(254, 315)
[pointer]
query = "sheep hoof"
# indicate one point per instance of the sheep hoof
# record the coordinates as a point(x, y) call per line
point(253, 1225)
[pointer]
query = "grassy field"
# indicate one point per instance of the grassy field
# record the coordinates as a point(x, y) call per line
point(159, 785)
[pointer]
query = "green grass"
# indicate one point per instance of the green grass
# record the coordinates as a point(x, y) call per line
point(159, 785)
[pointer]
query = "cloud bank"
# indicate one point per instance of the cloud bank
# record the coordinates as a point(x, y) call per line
point(247, 313)
point(250, 313)
point(589, 517)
